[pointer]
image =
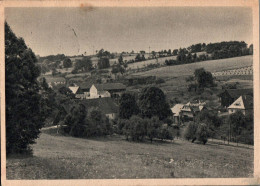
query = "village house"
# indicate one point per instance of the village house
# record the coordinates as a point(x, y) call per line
point(176, 110)
point(187, 112)
point(228, 96)
point(92, 91)
point(78, 92)
point(244, 104)
point(106, 90)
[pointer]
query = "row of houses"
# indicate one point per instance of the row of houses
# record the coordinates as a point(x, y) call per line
point(92, 91)
point(232, 99)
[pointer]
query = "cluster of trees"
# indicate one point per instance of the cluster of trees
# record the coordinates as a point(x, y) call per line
point(144, 117)
point(216, 50)
point(236, 127)
point(139, 57)
point(103, 62)
point(83, 65)
point(200, 80)
point(197, 131)
point(120, 67)
point(137, 128)
point(52, 62)
point(83, 123)
point(103, 53)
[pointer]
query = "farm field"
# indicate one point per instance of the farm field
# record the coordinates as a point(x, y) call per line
point(188, 69)
point(114, 157)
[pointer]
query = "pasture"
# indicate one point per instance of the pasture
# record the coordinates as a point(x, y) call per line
point(63, 157)
point(188, 69)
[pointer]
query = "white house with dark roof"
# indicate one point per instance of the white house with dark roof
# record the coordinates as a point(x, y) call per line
point(106, 90)
point(244, 104)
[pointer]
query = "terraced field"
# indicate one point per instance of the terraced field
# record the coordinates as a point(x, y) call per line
point(212, 66)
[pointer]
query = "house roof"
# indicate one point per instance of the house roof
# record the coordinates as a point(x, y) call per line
point(110, 86)
point(235, 93)
point(85, 85)
point(177, 109)
point(74, 89)
point(243, 102)
point(105, 105)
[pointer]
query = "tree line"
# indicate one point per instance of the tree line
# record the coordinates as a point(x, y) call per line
point(212, 51)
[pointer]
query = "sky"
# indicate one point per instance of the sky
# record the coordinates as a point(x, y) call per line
point(74, 31)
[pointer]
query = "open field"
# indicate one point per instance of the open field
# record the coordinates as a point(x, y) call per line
point(212, 66)
point(61, 157)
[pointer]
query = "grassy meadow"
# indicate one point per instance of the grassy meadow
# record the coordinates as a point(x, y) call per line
point(63, 157)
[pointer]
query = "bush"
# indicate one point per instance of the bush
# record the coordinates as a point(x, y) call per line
point(137, 128)
point(153, 126)
point(159, 81)
point(164, 133)
point(190, 131)
point(202, 133)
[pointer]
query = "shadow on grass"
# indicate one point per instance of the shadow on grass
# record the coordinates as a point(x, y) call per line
point(114, 137)
point(212, 143)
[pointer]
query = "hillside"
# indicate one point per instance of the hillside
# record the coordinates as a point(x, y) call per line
point(211, 65)
point(114, 157)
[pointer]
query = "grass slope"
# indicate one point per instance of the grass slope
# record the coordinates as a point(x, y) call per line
point(188, 69)
point(60, 157)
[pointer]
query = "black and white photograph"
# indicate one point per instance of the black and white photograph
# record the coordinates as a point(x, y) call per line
point(129, 92)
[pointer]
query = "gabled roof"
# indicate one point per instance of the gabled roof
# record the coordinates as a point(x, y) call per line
point(74, 89)
point(110, 86)
point(85, 85)
point(243, 102)
point(235, 93)
point(105, 105)
point(177, 109)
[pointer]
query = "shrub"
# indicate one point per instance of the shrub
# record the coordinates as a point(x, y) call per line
point(137, 128)
point(164, 133)
point(190, 131)
point(202, 133)
point(153, 126)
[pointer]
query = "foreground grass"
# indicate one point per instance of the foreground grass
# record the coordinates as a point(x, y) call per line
point(60, 157)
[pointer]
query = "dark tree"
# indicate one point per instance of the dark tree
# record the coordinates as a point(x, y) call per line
point(66, 91)
point(152, 102)
point(153, 127)
point(175, 52)
point(67, 63)
point(203, 78)
point(24, 117)
point(84, 65)
point(75, 121)
point(202, 133)
point(237, 122)
point(190, 131)
point(127, 106)
point(120, 60)
point(103, 62)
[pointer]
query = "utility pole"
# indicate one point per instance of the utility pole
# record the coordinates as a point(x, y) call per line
point(93, 50)
point(149, 53)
